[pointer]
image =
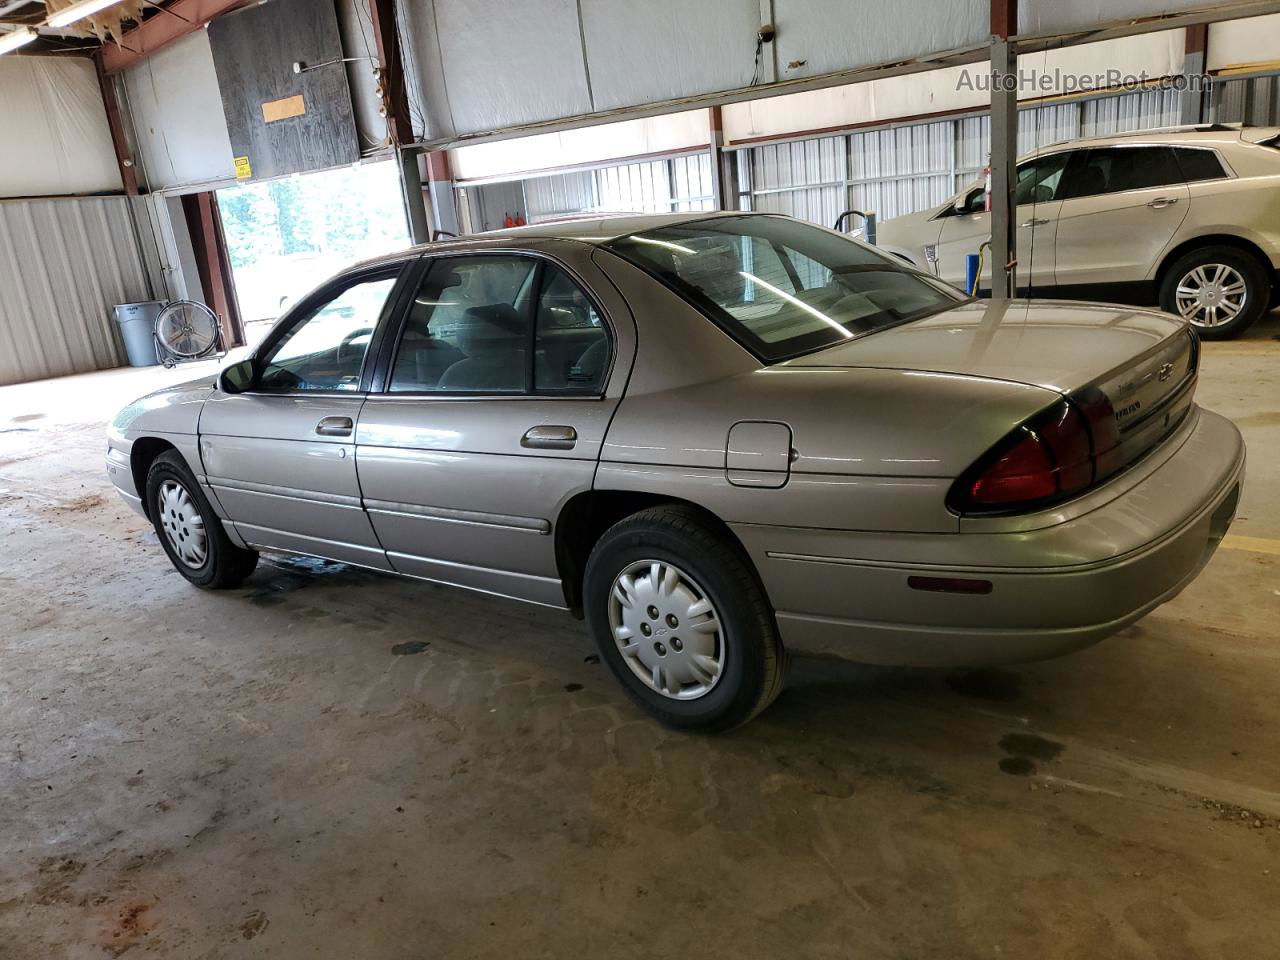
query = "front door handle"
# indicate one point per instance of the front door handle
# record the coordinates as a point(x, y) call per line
point(335, 427)
point(1160, 203)
point(550, 437)
point(1037, 222)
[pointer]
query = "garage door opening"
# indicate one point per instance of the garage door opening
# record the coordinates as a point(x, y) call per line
point(287, 236)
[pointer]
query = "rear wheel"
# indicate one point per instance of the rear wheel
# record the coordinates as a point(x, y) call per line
point(681, 620)
point(1220, 290)
point(189, 530)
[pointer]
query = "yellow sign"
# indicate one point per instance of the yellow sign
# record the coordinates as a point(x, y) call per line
point(243, 171)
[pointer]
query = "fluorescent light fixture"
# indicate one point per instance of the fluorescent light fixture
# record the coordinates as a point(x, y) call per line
point(16, 38)
point(78, 11)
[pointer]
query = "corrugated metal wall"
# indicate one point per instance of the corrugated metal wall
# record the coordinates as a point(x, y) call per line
point(895, 170)
point(64, 264)
point(1260, 94)
point(650, 186)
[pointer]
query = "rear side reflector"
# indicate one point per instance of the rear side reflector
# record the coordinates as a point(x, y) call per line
point(949, 585)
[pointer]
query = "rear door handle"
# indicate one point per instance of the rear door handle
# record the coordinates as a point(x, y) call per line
point(1160, 202)
point(550, 437)
point(335, 427)
point(1038, 222)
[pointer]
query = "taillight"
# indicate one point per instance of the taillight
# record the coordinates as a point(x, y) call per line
point(1049, 458)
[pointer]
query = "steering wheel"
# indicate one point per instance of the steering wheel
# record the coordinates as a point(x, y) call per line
point(349, 339)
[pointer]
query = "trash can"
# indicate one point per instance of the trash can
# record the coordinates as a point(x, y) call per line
point(137, 322)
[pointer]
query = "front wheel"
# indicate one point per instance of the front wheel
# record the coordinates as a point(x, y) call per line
point(1220, 290)
point(682, 621)
point(189, 530)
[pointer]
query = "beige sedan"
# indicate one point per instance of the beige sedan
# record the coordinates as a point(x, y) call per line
point(1188, 219)
point(718, 439)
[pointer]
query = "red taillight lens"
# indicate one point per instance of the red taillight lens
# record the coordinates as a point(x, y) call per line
point(1107, 456)
point(1047, 459)
point(1024, 473)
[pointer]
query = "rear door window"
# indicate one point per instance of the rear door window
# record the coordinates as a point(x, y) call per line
point(500, 325)
point(1198, 164)
point(1118, 169)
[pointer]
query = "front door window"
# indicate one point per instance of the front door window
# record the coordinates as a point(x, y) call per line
point(326, 350)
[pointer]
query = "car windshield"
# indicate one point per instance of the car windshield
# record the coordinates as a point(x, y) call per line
point(782, 288)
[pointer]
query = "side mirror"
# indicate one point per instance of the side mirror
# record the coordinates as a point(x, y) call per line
point(236, 378)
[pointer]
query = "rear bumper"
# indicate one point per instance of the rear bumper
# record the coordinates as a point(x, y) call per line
point(1053, 590)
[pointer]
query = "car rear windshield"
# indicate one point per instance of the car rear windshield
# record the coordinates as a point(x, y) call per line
point(782, 288)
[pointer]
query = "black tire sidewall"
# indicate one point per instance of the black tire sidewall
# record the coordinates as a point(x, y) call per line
point(1258, 288)
point(168, 468)
point(742, 675)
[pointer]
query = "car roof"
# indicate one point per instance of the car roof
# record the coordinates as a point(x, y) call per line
point(1215, 134)
point(587, 228)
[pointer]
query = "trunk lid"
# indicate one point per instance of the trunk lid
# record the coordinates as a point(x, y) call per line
point(1135, 369)
point(1058, 345)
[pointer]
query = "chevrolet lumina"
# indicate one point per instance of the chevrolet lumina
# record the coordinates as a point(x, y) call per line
point(716, 437)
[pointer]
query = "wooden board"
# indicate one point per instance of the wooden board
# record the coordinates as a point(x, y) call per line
point(284, 122)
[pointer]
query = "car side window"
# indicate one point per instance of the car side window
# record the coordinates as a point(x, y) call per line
point(325, 351)
point(1117, 169)
point(571, 345)
point(1039, 179)
point(1198, 164)
point(468, 328)
point(975, 201)
point(500, 325)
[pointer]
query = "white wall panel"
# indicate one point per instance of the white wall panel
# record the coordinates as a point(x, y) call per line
point(1055, 16)
point(584, 145)
point(949, 89)
point(1238, 43)
point(663, 49)
point(64, 264)
point(55, 137)
point(173, 100)
point(831, 35)
point(356, 27)
point(510, 63)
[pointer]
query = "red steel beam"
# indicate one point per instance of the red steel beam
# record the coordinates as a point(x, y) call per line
point(1004, 18)
point(382, 13)
point(160, 29)
point(128, 172)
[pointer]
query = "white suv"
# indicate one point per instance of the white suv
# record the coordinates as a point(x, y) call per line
point(1188, 218)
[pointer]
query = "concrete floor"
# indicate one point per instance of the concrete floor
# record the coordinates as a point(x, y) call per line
point(332, 763)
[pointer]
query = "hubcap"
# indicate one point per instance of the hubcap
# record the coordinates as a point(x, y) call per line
point(1211, 295)
point(182, 523)
point(667, 629)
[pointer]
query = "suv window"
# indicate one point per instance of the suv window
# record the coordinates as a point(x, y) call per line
point(1198, 164)
point(500, 325)
point(1039, 179)
point(1116, 169)
point(326, 349)
point(1038, 182)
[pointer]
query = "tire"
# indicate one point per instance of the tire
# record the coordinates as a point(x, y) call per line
point(215, 564)
point(1217, 271)
point(732, 625)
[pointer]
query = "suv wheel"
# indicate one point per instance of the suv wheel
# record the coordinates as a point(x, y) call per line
point(1220, 290)
point(682, 621)
point(189, 530)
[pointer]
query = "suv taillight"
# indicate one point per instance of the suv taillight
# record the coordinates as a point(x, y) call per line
point(1051, 457)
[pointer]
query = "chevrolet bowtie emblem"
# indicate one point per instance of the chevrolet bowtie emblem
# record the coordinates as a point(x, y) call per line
point(1166, 371)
